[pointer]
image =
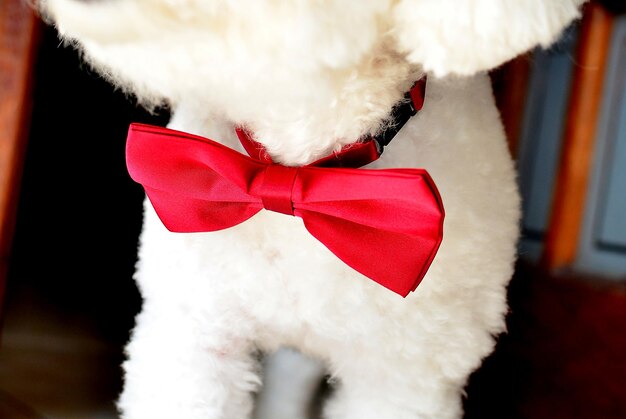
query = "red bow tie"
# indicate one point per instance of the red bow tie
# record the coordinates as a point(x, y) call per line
point(386, 224)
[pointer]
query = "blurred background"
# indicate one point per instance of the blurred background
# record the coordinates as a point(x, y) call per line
point(70, 217)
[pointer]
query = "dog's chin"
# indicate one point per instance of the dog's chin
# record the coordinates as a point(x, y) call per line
point(445, 37)
point(103, 21)
point(308, 77)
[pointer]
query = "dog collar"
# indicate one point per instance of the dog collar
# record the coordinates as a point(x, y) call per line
point(363, 152)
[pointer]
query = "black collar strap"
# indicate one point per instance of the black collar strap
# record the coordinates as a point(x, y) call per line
point(402, 112)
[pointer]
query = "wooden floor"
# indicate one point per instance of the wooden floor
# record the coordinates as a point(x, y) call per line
point(54, 364)
point(564, 356)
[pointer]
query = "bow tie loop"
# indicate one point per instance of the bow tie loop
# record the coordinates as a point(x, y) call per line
point(276, 188)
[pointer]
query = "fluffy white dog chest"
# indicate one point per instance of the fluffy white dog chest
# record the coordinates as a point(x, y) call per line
point(308, 77)
point(267, 282)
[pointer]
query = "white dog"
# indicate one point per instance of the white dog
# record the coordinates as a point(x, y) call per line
point(308, 77)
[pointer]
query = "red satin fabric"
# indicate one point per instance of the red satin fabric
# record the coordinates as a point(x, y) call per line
point(353, 155)
point(386, 224)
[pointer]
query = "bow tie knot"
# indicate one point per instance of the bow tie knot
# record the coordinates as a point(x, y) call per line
point(276, 189)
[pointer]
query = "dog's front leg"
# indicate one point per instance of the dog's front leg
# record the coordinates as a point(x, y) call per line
point(371, 385)
point(190, 354)
point(176, 370)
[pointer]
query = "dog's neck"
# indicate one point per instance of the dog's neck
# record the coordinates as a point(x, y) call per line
point(300, 118)
point(366, 151)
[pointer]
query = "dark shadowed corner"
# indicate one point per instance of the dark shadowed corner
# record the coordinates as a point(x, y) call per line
point(70, 298)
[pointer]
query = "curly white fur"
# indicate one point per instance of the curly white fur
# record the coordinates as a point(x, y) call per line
point(307, 77)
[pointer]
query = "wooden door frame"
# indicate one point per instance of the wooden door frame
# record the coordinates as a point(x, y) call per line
point(20, 31)
point(568, 204)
